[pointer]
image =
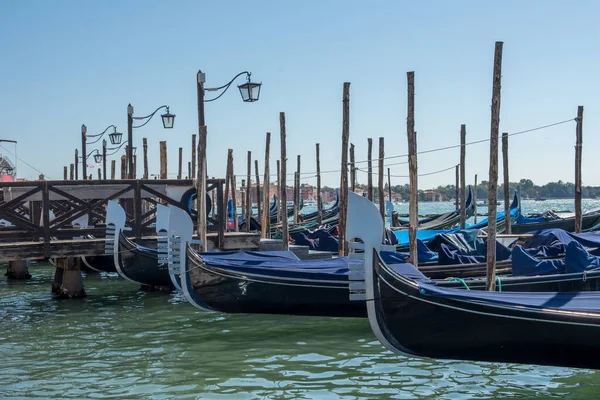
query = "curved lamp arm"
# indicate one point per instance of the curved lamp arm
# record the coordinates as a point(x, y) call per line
point(99, 136)
point(115, 149)
point(91, 152)
point(226, 86)
point(149, 117)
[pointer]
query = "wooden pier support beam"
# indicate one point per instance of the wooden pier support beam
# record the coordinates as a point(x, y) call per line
point(18, 270)
point(68, 282)
point(284, 222)
point(370, 169)
point(578, 149)
point(319, 207)
point(380, 189)
point(342, 245)
point(463, 182)
point(163, 160)
point(413, 212)
point(266, 217)
point(507, 222)
point(493, 179)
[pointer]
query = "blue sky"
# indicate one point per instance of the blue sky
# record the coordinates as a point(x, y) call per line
point(66, 63)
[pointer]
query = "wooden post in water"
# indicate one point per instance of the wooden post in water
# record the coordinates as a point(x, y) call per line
point(113, 169)
point(578, 149)
point(413, 212)
point(236, 226)
point(99, 173)
point(243, 196)
point(189, 175)
point(389, 188)
point(298, 194)
point(180, 170)
point(319, 208)
point(248, 197)
point(124, 167)
point(71, 171)
point(163, 160)
point(76, 164)
point(260, 212)
point(463, 182)
point(193, 174)
point(227, 181)
point(380, 189)
point(145, 148)
point(279, 189)
point(493, 180)
point(284, 224)
point(507, 222)
point(66, 172)
point(352, 168)
point(134, 166)
point(266, 220)
point(201, 181)
point(456, 185)
point(475, 199)
point(342, 246)
point(370, 169)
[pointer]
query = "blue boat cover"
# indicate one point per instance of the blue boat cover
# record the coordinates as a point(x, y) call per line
point(578, 259)
point(522, 219)
point(567, 301)
point(246, 258)
point(524, 264)
point(551, 236)
point(423, 253)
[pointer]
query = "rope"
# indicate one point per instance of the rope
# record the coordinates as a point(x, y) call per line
point(459, 280)
point(499, 283)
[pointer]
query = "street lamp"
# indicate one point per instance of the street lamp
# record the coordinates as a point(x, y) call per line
point(115, 138)
point(168, 121)
point(250, 92)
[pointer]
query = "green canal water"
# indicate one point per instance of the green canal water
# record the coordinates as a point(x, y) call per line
point(123, 343)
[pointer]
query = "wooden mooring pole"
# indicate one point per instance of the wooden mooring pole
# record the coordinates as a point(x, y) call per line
point(413, 212)
point(342, 246)
point(99, 173)
point(193, 174)
point(180, 169)
point(463, 181)
point(65, 173)
point(76, 164)
point(389, 187)
point(578, 149)
point(493, 179)
point(380, 189)
point(284, 223)
point(258, 205)
point(113, 169)
point(319, 208)
point(71, 171)
point(297, 200)
point(352, 168)
point(370, 169)
point(163, 160)
point(236, 225)
point(201, 181)
point(123, 167)
point(145, 148)
point(227, 181)
point(507, 222)
point(279, 189)
point(189, 175)
point(248, 197)
point(475, 199)
point(266, 220)
point(243, 197)
point(456, 186)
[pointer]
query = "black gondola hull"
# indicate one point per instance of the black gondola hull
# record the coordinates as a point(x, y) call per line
point(445, 328)
point(142, 266)
point(566, 224)
point(224, 290)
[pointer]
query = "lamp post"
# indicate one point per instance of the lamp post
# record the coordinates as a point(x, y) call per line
point(168, 120)
point(115, 138)
point(250, 92)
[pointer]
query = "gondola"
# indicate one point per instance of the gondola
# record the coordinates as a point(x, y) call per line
point(263, 282)
point(526, 224)
point(442, 221)
point(99, 263)
point(410, 316)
